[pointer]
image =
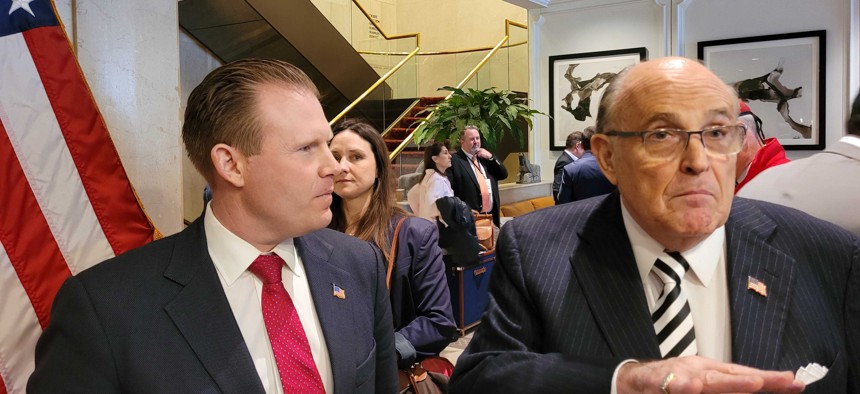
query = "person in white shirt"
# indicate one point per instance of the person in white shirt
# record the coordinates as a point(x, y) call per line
point(825, 185)
point(434, 185)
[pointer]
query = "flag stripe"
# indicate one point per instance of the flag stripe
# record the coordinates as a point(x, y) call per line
point(35, 135)
point(26, 236)
point(123, 221)
point(66, 201)
point(19, 329)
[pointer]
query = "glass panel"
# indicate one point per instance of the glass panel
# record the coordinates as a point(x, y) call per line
point(384, 106)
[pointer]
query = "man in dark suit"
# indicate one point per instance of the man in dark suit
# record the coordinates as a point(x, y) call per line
point(669, 284)
point(475, 174)
point(583, 178)
point(255, 296)
point(571, 153)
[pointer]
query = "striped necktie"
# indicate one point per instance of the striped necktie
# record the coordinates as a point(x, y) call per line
point(672, 319)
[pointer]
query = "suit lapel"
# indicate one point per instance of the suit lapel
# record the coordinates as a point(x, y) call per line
point(468, 171)
point(758, 322)
point(202, 314)
point(334, 313)
point(606, 269)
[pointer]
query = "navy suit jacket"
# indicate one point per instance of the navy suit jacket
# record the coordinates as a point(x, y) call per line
point(420, 300)
point(156, 320)
point(563, 160)
point(465, 185)
point(583, 179)
point(567, 304)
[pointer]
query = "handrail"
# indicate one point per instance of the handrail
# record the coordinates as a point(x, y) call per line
point(399, 118)
point(394, 153)
point(386, 36)
point(436, 53)
point(374, 86)
point(508, 24)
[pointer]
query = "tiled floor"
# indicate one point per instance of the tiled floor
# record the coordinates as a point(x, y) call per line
point(453, 351)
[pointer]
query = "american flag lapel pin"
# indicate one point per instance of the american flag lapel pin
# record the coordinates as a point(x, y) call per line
point(757, 286)
point(338, 292)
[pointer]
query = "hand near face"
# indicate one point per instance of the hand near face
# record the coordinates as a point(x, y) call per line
point(696, 374)
point(484, 154)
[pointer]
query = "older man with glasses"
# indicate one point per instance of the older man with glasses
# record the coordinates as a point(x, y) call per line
point(670, 284)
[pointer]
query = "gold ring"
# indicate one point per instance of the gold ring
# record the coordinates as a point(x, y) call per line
point(666, 381)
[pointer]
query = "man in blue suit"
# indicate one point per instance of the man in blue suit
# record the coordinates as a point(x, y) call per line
point(253, 297)
point(583, 178)
point(669, 284)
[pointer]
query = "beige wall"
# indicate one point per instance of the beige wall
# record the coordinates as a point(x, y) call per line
point(447, 25)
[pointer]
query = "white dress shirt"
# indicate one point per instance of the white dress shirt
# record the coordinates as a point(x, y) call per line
point(484, 173)
point(422, 197)
point(705, 286)
point(851, 139)
point(232, 256)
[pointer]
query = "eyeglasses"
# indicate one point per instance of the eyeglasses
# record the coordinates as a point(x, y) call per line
point(668, 143)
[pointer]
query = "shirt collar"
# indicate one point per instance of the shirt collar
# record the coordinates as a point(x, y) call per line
point(851, 139)
point(703, 258)
point(232, 255)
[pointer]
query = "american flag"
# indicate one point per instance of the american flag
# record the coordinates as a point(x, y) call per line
point(338, 292)
point(756, 286)
point(65, 200)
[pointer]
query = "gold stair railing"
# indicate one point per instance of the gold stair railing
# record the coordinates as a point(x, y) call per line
point(373, 87)
point(379, 28)
point(390, 72)
point(508, 24)
point(406, 141)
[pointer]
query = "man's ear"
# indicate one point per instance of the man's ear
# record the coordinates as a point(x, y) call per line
point(601, 148)
point(229, 164)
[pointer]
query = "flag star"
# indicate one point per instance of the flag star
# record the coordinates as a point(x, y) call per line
point(22, 4)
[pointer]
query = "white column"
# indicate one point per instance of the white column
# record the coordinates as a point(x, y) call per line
point(129, 53)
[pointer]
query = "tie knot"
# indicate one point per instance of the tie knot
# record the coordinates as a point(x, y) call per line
point(267, 267)
point(671, 269)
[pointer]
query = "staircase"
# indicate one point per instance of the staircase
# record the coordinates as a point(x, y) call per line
point(409, 159)
point(293, 31)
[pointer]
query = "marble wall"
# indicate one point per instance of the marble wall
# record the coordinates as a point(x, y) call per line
point(129, 53)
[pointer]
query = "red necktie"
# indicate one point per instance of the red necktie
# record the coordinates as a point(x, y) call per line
point(482, 184)
point(289, 343)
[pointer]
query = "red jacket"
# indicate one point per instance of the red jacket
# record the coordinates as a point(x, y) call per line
point(771, 154)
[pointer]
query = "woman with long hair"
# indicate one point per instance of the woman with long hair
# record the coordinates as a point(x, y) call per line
point(434, 185)
point(364, 206)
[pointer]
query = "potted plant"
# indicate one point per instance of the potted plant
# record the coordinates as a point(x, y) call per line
point(494, 112)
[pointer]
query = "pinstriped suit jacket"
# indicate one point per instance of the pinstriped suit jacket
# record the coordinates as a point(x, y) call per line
point(567, 304)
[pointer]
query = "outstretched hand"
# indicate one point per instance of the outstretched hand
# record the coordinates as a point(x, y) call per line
point(694, 374)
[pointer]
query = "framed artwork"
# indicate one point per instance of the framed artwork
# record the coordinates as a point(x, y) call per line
point(781, 77)
point(576, 84)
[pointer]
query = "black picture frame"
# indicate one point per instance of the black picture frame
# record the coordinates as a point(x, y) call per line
point(574, 113)
point(782, 77)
